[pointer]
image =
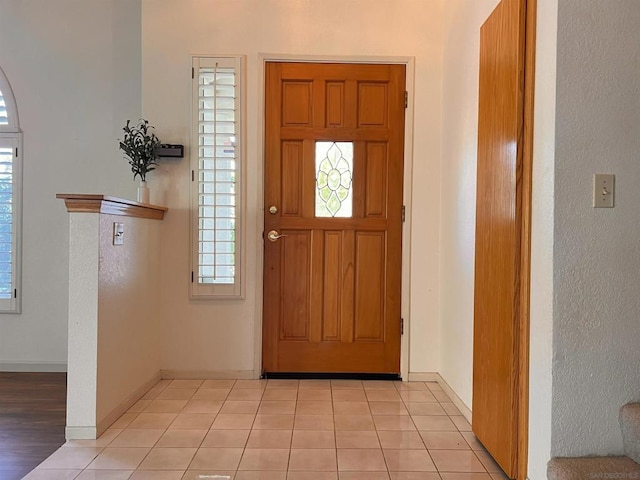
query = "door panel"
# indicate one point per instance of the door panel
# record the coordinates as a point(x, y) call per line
point(370, 300)
point(498, 233)
point(376, 180)
point(331, 319)
point(332, 281)
point(291, 174)
point(372, 104)
point(335, 104)
point(296, 103)
point(296, 249)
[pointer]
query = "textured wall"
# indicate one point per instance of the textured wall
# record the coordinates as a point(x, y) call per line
point(82, 375)
point(114, 326)
point(74, 67)
point(596, 354)
point(128, 310)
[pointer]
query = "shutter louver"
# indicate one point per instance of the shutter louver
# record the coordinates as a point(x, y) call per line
point(6, 222)
point(4, 118)
point(217, 169)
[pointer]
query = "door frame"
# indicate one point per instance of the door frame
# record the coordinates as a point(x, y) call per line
point(409, 63)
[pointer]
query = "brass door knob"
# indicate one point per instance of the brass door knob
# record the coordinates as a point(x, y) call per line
point(273, 236)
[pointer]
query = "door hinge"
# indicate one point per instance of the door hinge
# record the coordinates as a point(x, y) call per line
point(402, 326)
point(15, 293)
point(16, 152)
point(193, 175)
point(404, 213)
point(191, 277)
point(406, 99)
point(193, 72)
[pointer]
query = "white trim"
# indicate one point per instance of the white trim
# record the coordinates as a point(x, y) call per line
point(424, 377)
point(455, 399)
point(373, 59)
point(235, 291)
point(409, 61)
point(209, 374)
point(80, 433)
point(48, 367)
point(405, 350)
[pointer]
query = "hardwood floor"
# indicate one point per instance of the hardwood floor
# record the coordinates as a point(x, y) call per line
point(32, 420)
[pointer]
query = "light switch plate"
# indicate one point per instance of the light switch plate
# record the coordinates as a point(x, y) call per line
point(118, 233)
point(604, 190)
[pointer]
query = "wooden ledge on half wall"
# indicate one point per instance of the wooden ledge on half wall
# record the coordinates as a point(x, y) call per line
point(91, 203)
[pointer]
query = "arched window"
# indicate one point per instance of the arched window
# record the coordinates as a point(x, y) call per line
point(10, 199)
point(8, 110)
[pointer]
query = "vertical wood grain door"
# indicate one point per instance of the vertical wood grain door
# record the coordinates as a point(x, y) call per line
point(500, 231)
point(333, 217)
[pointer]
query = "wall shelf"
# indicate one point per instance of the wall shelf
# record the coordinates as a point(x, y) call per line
point(91, 203)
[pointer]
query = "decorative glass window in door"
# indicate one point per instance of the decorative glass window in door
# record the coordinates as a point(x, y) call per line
point(334, 179)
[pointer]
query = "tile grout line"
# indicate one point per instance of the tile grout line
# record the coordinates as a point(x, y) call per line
point(405, 402)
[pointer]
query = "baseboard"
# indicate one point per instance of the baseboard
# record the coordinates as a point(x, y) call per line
point(209, 374)
point(466, 411)
point(126, 404)
point(80, 433)
point(35, 367)
point(436, 377)
point(423, 377)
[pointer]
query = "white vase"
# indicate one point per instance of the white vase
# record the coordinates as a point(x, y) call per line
point(143, 193)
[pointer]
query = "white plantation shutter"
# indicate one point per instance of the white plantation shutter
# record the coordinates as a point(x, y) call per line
point(10, 200)
point(9, 221)
point(216, 161)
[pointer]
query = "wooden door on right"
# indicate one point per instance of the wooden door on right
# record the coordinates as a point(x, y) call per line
point(498, 233)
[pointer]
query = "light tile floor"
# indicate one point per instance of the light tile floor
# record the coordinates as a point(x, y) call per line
point(281, 430)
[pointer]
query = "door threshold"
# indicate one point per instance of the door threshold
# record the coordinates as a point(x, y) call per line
point(331, 376)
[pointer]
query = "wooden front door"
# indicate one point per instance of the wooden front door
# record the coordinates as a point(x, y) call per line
point(333, 217)
point(500, 389)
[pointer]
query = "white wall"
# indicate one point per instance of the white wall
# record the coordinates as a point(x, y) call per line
point(219, 335)
point(596, 327)
point(541, 308)
point(114, 331)
point(458, 186)
point(82, 378)
point(75, 71)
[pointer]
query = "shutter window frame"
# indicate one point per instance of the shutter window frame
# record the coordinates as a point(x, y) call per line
point(10, 201)
point(217, 186)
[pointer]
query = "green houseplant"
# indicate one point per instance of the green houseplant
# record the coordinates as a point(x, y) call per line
point(139, 146)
